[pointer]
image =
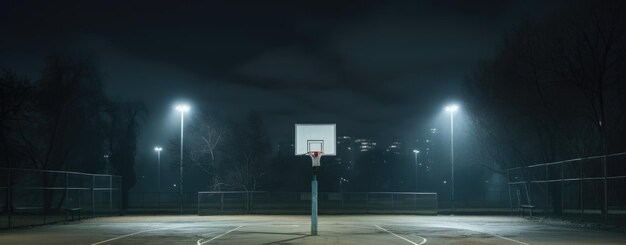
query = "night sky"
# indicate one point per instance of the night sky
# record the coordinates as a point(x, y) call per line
point(377, 69)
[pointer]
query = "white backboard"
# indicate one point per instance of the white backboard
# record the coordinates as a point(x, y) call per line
point(316, 137)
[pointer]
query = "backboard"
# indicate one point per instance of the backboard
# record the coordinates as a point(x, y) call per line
point(316, 137)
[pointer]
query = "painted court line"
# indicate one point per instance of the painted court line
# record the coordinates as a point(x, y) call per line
point(409, 241)
point(498, 236)
point(132, 234)
point(200, 242)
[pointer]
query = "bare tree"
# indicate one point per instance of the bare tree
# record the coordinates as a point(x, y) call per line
point(554, 87)
point(208, 131)
point(248, 151)
point(15, 103)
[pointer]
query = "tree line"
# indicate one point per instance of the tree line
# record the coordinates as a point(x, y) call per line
point(62, 120)
point(554, 90)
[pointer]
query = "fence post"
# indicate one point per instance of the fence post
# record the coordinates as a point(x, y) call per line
point(9, 194)
point(110, 194)
point(222, 201)
point(341, 194)
point(367, 202)
point(547, 200)
point(392, 208)
point(562, 192)
point(508, 180)
point(119, 191)
point(606, 192)
point(268, 203)
point(415, 204)
point(93, 196)
point(580, 172)
point(67, 193)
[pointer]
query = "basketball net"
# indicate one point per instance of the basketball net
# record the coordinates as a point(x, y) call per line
point(315, 157)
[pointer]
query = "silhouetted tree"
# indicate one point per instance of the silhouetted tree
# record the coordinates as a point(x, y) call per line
point(248, 149)
point(554, 89)
point(125, 120)
point(206, 138)
point(15, 104)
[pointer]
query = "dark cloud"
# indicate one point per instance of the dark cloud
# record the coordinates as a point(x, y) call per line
point(377, 68)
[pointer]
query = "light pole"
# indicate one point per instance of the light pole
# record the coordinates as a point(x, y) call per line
point(182, 109)
point(106, 159)
point(158, 151)
point(341, 180)
point(416, 183)
point(452, 109)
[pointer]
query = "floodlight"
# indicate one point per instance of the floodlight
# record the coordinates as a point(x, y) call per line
point(183, 108)
point(452, 108)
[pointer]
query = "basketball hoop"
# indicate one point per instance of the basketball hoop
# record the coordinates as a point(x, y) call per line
point(315, 157)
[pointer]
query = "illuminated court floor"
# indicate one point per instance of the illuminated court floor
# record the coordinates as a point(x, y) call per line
point(333, 229)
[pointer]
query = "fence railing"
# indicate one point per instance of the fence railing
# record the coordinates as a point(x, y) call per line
point(34, 197)
point(241, 202)
point(162, 202)
point(588, 189)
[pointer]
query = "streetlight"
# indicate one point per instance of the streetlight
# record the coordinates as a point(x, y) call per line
point(452, 108)
point(341, 180)
point(416, 183)
point(182, 109)
point(158, 151)
point(106, 159)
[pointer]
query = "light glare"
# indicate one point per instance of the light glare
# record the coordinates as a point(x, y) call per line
point(452, 108)
point(183, 108)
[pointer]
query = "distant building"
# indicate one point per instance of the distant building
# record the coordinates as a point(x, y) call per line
point(345, 155)
point(365, 145)
point(395, 148)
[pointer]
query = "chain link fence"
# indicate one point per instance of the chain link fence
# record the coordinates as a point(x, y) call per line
point(36, 197)
point(241, 202)
point(591, 189)
point(162, 202)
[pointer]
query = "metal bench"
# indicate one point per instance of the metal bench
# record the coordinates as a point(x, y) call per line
point(522, 210)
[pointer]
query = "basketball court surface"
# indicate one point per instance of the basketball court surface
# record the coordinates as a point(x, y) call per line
point(332, 229)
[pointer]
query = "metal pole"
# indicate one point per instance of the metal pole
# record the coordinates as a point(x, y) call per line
point(159, 178)
point(180, 199)
point(93, 196)
point(416, 182)
point(452, 157)
point(159, 171)
point(314, 203)
point(110, 194)
point(119, 191)
point(66, 194)
point(341, 192)
point(547, 192)
point(367, 202)
point(606, 193)
point(562, 192)
point(9, 194)
point(508, 180)
point(580, 169)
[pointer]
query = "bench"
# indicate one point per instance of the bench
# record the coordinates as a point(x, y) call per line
point(522, 210)
point(72, 212)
